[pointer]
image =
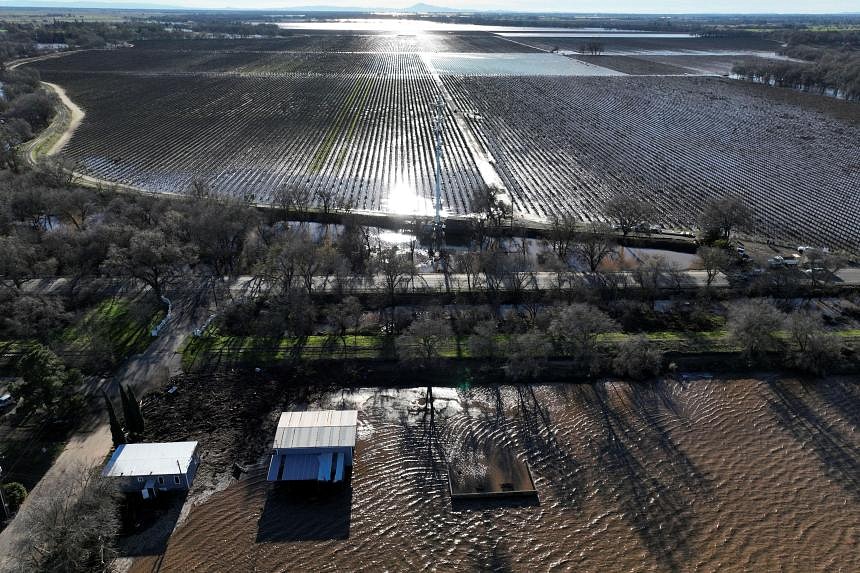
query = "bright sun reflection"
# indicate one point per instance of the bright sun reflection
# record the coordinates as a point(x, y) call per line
point(403, 200)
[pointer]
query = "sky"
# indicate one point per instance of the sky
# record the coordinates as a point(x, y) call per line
point(586, 6)
point(622, 6)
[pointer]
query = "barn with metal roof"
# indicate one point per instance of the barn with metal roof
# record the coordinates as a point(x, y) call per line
point(313, 446)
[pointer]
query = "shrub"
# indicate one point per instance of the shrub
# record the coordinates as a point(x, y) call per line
point(482, 343)
point(637, 358)
point(528, 355)
point(15, 494)
point(753, 325)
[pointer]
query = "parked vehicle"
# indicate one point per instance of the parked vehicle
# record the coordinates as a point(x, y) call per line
point(7, 403)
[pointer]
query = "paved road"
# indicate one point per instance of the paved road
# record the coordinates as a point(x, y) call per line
point(93, 442)
point(435, 282)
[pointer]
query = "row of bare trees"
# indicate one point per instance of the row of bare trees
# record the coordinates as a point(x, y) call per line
point(571, 332)
point(761, 330)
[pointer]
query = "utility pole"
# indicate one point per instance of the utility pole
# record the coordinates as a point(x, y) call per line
point(438, 225)
point(5, 513)
point(438, 132)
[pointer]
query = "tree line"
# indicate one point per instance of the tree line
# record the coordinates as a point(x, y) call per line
point(831, 63)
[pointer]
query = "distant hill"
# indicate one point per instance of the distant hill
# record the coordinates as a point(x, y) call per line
point(84, 5)
point(100, 5)
point(419, 7)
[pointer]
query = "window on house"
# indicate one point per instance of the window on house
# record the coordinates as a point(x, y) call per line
point(176, 480)
point(140, 480)
point(160, 480)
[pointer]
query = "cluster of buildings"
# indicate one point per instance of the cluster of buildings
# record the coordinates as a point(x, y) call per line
point(308, 446)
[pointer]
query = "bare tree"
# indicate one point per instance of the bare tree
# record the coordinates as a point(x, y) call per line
point(293, 200)
point(10, 142)
point(482, 341)
point(354, 243)
point(593, 48)
point(637, 358)
point(469, 264)
point(218, 231)
point(327, 199)
point(714, 260)
point(628, 212)
point(75, 206)
point(16, 261)
point(575, 329)
point(753, 325)
point(650, 276)
point(492, 214)
point(814, 349)
point(395, 269)
point(720, 217)
point(314, 262)
point(279, 268)
point(199, 188)
point(344, 315)
point(594, 246)
point(72, 527)
point(821, 266)
point(562, 235)
point(57, 172)
point(527, 355)
point(424, 340)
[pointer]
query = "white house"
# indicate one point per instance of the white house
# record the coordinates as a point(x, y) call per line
point(313, 446)
point(150, 468)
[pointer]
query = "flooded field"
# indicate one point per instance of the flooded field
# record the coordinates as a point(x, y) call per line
point(704, 475)
point(514, 65)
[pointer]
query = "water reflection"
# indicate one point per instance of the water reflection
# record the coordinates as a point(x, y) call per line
point(403, 199)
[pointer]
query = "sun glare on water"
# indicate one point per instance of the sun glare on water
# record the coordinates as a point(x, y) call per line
point(404, 200)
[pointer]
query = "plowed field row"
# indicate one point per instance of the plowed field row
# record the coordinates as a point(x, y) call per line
point(134, 61)
point(362, 137)
point(565, 144)
point(349, 42)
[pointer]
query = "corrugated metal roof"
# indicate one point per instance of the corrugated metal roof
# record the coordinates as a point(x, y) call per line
point(316, 429)
point(168, 458)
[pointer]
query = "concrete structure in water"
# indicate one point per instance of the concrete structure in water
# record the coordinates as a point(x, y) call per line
point(152, 468)
point(313, 446)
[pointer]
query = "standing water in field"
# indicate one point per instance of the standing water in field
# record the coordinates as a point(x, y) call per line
point(707, 475)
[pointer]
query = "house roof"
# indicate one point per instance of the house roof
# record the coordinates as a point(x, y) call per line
point(316, 429)
point(168, 458)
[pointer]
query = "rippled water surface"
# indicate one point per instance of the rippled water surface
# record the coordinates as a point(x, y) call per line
point(705, 475)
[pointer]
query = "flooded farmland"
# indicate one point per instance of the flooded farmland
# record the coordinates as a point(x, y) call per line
point(694, 475)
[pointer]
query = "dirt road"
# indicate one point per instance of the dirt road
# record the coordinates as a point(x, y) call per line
point(92, 443)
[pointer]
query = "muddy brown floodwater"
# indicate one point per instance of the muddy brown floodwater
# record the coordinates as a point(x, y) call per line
point(704, 475)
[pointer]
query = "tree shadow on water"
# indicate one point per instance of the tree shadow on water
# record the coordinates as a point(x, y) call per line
point(842, 395)
point(652, 500)
point(552, 461)
point(839, 456)
point(422, 443)
point(652, 407)
point(490, 554)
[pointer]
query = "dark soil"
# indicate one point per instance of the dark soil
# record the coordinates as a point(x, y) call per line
point(233, 416)
point(633, 66)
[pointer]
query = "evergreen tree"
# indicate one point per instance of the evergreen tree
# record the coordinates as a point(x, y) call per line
point(123, 398)
point(133, 415)
point(116, 433)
